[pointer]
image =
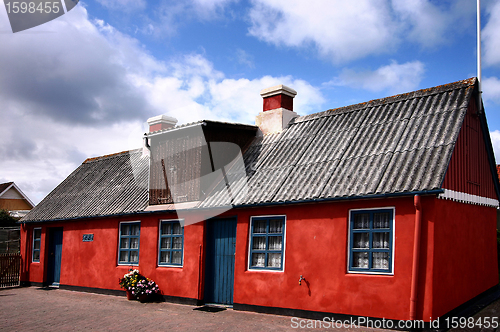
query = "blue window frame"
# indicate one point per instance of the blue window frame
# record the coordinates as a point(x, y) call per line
point(371, 241)
point(267, 243)
point(171, 243)
point(37, 239)
point(130, 233)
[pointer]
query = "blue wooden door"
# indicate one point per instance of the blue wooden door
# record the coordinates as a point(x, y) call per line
point(219, 262)
point(55, 253)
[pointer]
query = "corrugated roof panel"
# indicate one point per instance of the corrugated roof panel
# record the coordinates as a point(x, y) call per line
point(431, 130)
point(416, 170)
point(263, 186)
point(356, 176)
point(328, 146)
point(301, 130)
point(285, 153)
point(376, 139)
point(306, 181)
point(103, 186)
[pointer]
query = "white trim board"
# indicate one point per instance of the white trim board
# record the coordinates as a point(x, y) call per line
point(468, 198)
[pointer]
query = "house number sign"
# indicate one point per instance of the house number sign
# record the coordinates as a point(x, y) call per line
point(88, 237)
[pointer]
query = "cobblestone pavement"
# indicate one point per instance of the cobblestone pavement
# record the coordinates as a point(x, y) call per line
point(38, 309)
point(41, 309)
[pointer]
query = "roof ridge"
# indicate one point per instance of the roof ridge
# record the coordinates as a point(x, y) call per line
point(88, 160)
point(390, 99)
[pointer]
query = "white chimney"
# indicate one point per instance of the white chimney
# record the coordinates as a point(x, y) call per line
point(277, 109)
point(161, 122)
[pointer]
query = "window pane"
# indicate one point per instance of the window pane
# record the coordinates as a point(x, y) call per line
point(258, 260)
point(177, 228)
point(381, 220)
point(275, 242)
point(125, 229)
point(274, 260)
point(381, 240)
point(360, 260)
point(165, 257)
point(37, 234)
point(361, 221)
point(36, 245)
point(36, 255)
point(177, 243)
point(165, 243)
point(134, 256)
point(177, 257)
point(134, 229)
point(123, 256)
point(166, 228)
point(259, 242)
point(361, 240)
point(124, 243)
point(259, 226)
point(275, 226)
point(134, 243)
point(380, 260)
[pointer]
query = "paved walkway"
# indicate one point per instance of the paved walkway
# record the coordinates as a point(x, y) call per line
point(38, 309)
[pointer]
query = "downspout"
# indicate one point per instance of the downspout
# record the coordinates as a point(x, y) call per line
point(416, 257)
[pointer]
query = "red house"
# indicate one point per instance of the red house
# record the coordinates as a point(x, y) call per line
point(384, 209)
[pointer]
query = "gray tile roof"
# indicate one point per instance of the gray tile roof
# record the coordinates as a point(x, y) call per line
point(399, 144)
point(108, 185)
point(393, 145)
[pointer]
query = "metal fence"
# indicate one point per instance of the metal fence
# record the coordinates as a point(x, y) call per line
point(10, 266)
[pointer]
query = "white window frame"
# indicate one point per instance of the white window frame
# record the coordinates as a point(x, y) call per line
point(33, 246)
point(181, 222)
point(119, 243)
point(393, 241)
point(260, 269)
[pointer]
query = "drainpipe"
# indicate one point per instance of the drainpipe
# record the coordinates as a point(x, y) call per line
point(416, 257)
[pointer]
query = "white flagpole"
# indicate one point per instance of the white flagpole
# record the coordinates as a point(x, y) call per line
point(479, 52)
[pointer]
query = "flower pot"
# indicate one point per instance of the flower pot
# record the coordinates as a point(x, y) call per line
point(130, 296)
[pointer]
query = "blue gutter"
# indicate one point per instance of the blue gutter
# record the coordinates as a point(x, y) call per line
point(305, 201)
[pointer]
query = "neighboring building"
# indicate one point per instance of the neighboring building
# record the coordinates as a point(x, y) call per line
point(380, 209)
point(14, 200)
point(17, 205)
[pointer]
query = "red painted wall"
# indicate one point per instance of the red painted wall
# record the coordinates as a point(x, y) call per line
point(465, 263)
point(469, 169)
point(315, 247)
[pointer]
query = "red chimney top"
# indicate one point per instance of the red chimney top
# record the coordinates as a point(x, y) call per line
point(279, 96)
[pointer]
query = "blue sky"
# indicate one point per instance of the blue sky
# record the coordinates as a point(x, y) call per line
point(84, 84)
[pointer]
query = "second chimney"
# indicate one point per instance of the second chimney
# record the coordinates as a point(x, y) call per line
point(161, 122)
point(278, 109)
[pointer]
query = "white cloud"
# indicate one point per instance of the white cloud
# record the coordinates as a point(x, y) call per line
point(86, 90)
point(124, 5)
point(348, 30)
point(340, 30)
point(491, 89)
point(396, 78)
point(168, 16)
point(491, 36)
point(426, 22)
point(495, 141)
point(244, 58)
